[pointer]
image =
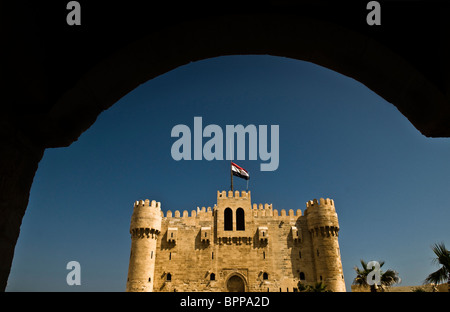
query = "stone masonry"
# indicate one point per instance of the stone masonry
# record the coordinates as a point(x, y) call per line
point(235, 246)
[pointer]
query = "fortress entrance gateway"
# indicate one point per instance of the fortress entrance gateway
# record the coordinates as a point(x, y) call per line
point(235, 284)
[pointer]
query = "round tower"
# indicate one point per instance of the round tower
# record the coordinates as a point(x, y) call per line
point(144, 229)
point(323, 227)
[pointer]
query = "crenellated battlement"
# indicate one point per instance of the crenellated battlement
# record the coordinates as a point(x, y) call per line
point(204, 211)
point(146, 217)
point(147, 203)
point(321, 202)
point(322, 217)
point(261, 207)
point(235, 194)
point(260, 210)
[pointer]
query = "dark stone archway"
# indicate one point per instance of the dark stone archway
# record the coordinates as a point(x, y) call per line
point(57, 79)
point(235, 283)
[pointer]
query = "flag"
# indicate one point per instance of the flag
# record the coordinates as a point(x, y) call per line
point(239, 171)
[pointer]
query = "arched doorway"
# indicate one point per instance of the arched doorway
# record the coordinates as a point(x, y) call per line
point(236, 284)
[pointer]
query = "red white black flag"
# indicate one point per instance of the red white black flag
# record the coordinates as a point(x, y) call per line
point(239, 171)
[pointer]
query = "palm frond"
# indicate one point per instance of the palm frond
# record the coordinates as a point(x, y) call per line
point(442, 255)
point(437, 277)
point(360, 280)
point(389, 278)
point(363, 264)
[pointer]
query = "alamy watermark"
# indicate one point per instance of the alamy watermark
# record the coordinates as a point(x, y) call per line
point(74, 276)
point(74, 16)
point(213, 149)
point(374, 277)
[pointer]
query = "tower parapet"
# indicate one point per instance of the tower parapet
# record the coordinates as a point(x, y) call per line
point(321, 214)
point(235, 194)
point(146, 215)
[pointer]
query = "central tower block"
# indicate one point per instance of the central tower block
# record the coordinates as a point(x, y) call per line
point(234, 218)
point(144, 229)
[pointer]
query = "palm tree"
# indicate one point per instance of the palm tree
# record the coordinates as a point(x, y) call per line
point(443, 258)
point(387, 278)
point(319, 287)
point(302, 287)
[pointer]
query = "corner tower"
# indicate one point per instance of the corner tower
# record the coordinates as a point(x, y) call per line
point(144, 229)
point(323, 227)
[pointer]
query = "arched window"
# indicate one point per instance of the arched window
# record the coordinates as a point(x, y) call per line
point(265, 276)
point(169, 277)
point(240, 219)
point(212, 277)
point(302, 276)
point(228, 222)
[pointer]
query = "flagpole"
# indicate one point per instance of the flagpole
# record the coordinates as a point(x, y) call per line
point(231, 162)
point(231, 171)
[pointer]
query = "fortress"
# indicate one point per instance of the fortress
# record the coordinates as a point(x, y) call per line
point(235, 246)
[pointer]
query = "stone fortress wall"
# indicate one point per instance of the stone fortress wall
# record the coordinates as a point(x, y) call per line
point(234, 246)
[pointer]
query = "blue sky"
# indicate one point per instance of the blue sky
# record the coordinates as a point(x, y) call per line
point(338, 139)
